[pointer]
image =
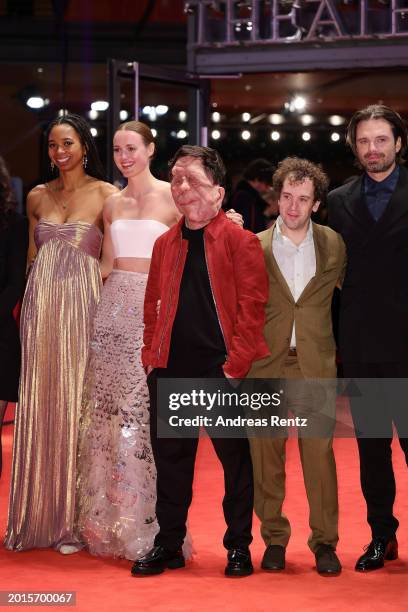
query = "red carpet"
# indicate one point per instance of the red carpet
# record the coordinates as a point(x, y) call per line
point(107, 585)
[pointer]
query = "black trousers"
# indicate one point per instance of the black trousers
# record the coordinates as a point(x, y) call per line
point(379, 406)
point(175, 458)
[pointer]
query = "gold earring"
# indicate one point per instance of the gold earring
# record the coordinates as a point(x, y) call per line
point(52, 166)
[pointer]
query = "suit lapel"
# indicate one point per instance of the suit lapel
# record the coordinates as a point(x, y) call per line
point(397, 206)
point(272, 266)
point(354, 204)
point(321, 258)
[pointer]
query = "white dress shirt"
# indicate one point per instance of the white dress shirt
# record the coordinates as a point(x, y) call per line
point(296, 262)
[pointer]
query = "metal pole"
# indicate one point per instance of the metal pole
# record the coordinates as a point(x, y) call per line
point(113, 115)
point(136, 91)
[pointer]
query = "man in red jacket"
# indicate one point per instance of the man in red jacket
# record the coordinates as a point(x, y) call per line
point(204, 318)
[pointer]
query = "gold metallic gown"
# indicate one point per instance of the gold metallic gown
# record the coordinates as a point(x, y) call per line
point(58, 308)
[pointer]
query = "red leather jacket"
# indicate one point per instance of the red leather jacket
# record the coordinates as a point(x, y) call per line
point(239, 284)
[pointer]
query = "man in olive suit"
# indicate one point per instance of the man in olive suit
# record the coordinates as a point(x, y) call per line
point(305, 262)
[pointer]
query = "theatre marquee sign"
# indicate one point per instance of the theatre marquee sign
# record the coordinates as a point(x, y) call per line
point(338, 33)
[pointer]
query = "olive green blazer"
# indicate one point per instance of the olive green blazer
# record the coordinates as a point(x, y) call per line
point(315, 343)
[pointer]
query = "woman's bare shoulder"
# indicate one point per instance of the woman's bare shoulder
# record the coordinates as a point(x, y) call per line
point(115, 203)
point(107, 189)
point(35, 197)
point(167, 205)
point(162, 186)
point(38, 191)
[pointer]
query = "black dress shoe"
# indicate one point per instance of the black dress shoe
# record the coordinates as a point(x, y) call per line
point(239, 562)
point(378, 551)
point(327, 562)
point(274, 558)
point(156, 561)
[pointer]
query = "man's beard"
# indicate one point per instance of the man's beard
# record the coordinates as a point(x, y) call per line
point(378, 165)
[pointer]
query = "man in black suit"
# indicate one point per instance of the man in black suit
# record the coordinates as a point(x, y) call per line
point(371, 214)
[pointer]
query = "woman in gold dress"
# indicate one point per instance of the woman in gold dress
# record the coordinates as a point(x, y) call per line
point(63, 289)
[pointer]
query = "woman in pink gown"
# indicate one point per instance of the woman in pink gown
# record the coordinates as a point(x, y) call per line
point(116, 472)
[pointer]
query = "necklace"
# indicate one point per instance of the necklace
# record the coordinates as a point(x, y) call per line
point(63, 202)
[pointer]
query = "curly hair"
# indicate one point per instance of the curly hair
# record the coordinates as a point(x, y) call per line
point(7, 200)
point(297, 170)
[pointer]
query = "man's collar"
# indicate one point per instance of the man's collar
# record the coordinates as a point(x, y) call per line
point(212, 228)
point(391, 179)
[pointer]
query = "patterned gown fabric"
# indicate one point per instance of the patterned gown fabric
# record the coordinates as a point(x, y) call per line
point(58, 308)
point(117, 475)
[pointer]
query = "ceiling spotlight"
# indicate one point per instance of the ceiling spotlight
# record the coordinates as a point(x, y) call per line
point(215, 134)
point(154, 132)
point(93, 114)
point(245, 134)
point(335, 136)
point(246, 117)
point(181, 134)
point(123, 115)
point(297, 103)
point(36, 102)
point(275, 135)
point(146, 110)
point(182, 116)
point(62, 112)
point(306, 119)
point(336, 120)
point(276, 119)
point(161, 109)
point(100, 105)
point(216, 117)
point(94, 132)
point(306, 136)
point(152, 113)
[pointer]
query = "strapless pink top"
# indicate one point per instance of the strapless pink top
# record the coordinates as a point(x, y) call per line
point(135, 237)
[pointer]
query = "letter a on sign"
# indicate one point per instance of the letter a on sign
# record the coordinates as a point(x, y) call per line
point(326, 16)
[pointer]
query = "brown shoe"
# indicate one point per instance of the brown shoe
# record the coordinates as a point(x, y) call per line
point(274, 558)
point(327, 562)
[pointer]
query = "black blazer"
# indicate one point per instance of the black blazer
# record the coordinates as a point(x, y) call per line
point(13, 256)
point(373, 324)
